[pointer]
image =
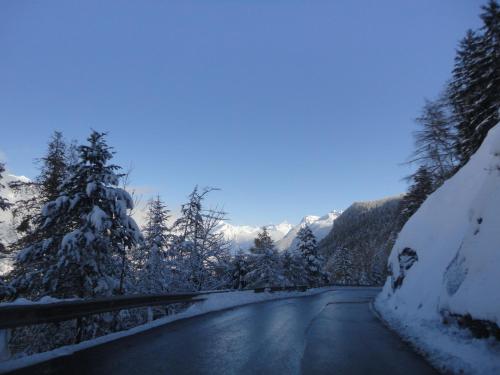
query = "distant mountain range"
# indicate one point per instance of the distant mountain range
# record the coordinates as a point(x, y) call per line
point(242, 236)
point(283, 234)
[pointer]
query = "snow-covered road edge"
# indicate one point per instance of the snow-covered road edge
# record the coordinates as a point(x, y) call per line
point(447, 348)
point(213, 302)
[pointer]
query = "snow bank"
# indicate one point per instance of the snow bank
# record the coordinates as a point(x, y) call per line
point(456, 237)
point(213, 302)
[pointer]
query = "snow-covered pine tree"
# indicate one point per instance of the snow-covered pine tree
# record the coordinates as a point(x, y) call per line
point(341, 266)
point(239, 270)
point(54, 167)
point(265, 263)
point(151, 267)
point(43, 189)
point(294, 268)
point(313, 262)
point(198, 251)
point(79, 248)
point(422, 186)
point(378, 268)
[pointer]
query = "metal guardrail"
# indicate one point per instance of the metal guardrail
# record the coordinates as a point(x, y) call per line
point(18, 315)
point(12, 316)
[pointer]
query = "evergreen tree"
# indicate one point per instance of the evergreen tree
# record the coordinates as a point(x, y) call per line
point(379, 267)
point(475, 87)
point(313, 262)
point(294, 269)
point(422, 186)
point(54, 168)
point(79, 247)
point(489, 104)
point(151, 266)
point(465, 90)
point(239, 270)
point(265, 263)
point(341, 267)
point(44, 189)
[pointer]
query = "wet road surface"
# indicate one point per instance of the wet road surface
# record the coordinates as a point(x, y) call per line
point(331, 333)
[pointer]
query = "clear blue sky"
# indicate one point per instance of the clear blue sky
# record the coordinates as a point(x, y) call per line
point(291, 107)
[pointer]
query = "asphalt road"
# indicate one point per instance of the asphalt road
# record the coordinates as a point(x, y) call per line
point(331, 333)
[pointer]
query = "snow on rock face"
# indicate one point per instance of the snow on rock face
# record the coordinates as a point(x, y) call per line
point(320, 226)
point(456, 237)
point(7, 231)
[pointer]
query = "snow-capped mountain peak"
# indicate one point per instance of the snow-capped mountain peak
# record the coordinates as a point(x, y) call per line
point(309, 219)
point(320, 226)
point(283, 234)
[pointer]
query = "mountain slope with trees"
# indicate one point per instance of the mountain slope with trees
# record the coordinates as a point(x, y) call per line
point(358, 246)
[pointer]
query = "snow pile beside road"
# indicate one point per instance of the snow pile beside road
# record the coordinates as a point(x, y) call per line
point(445, 261)
point(448, 348)
point(212, 302)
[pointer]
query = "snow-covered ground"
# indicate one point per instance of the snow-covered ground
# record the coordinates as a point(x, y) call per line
point(456, 237)
point(320, 226)
point(213, 302)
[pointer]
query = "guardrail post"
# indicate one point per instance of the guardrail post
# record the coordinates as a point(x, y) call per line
point(4, 344)
point(150, 314)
